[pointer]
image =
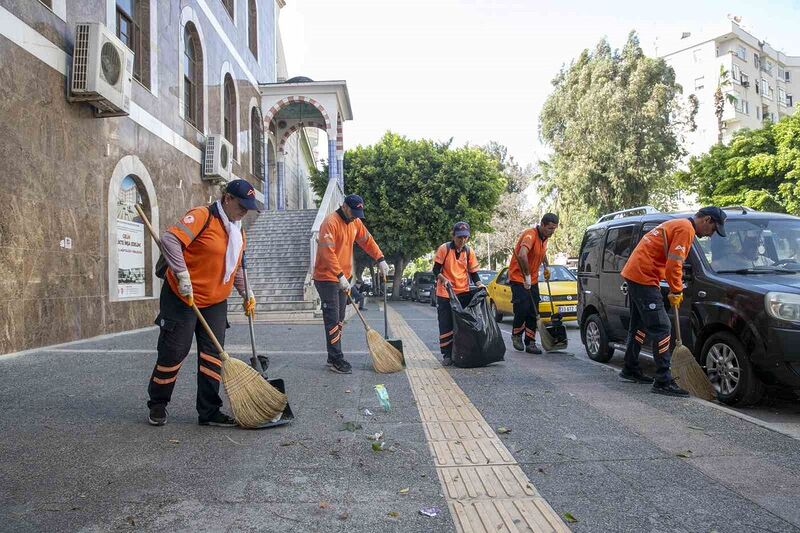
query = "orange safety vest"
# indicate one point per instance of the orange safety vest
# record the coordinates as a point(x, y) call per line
point(660, 255)
point(456, 267)
point(537, 250)
point(335, 248)
point(204, 253)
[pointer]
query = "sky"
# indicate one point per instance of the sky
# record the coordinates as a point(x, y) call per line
point(480, 70)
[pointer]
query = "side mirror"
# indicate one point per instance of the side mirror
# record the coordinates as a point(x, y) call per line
point(687, 272)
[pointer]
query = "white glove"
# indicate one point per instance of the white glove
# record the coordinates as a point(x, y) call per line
point(185, 285)
point(527, 282)
point(344, 284)
point(384, 266)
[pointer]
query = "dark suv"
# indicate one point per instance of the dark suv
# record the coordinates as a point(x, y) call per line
point(741, 311)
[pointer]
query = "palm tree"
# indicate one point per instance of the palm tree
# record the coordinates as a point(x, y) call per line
point(720, 98)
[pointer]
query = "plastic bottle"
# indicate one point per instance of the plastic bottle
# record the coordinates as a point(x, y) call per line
point(383, 397)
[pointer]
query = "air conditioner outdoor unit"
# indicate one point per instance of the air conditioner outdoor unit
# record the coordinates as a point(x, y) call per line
point(102, 70)
point(218, 161)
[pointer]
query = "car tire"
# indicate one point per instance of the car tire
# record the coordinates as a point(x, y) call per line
point(723, 350)
point(498, 317)
point(595, 340)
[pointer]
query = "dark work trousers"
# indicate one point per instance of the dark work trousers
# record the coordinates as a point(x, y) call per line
point(526, 309)
point(178, 325)
point(357, 297)
point(649, 321)
point(445, 315)
point(334, 305)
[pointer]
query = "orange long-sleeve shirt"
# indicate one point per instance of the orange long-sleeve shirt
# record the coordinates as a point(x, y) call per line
point(335, 249)
point(660, 255)
point(537, 249)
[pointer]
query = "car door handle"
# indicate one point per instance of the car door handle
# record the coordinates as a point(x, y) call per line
point(624, 288)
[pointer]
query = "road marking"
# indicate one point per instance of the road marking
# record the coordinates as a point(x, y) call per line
point(485, 488)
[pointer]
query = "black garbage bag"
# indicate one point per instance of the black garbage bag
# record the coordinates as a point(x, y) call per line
point(477, 340)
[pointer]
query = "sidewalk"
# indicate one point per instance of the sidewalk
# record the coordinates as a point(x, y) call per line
point(78, 454)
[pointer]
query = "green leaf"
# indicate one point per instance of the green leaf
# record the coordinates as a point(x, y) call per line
point(350, 426)
point(569, 518)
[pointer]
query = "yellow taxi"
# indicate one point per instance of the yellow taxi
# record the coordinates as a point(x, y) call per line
point(562, 282)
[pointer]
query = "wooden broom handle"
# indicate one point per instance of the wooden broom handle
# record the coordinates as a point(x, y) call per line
point(357, 311)
point(678, 341)
point(223, 355)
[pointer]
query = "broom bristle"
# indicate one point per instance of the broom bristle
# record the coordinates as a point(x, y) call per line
point(548, 342)
point(253, 400)
point(386, 359)
point(690, 375)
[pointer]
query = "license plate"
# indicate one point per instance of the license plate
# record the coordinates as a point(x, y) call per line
point(568, 309)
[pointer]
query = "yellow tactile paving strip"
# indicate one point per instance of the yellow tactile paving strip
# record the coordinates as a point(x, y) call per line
point(485, 488)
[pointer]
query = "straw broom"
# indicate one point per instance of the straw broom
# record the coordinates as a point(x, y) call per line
point(687, 371)
point(386, 359)
point(253, 400)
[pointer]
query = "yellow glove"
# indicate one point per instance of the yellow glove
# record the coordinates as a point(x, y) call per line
point(675, 299)
point(249, 305)
point(547, 274)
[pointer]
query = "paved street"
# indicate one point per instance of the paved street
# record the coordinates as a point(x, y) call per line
point(605, 455)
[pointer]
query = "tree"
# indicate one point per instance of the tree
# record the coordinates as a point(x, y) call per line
point(615, 122)
point(723, 82)
point(758, 168)
point(415, 190)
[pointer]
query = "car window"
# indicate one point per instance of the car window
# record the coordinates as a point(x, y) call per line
point(486, 276)
point(754, 243)
point(618, 247)
point(502, 279)
point(590, 251)
point(557, 273)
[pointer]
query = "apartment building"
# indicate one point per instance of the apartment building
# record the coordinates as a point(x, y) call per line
point(764, 81)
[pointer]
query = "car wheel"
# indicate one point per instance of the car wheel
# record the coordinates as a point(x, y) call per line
point(729, 368)
point(497, 315)
point(595, 340)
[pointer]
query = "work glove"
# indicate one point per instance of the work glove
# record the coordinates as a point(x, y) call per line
point(527, 282)
point(675, 299)
point(547, 274)
point(249, 304)
point(344, 285)
point(384, 266)
point(185, 286)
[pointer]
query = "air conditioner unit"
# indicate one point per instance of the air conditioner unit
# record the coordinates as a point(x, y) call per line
point(218, 161)
point(102, 70)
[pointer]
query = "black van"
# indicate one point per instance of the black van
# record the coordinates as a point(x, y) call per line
point(741, 311)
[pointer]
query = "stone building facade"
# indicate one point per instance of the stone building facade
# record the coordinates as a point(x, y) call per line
point(74, 261)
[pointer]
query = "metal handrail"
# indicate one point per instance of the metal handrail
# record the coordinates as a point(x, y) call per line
point(642, 210)
point(333, 198)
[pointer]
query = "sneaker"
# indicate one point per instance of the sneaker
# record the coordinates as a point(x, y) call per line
point(447, 361)
point(219, 419)
point(363, 308)
point(532, 348)
point(157, 416)
point(340, 366)
point(634, 376)
point(516, 340)
point(669, 389)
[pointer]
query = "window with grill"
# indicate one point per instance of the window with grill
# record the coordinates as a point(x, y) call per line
point(229, 112)
point(252, 27)
point(133, 29)
point(228, 6)
point(192, 77)
point(257, 140)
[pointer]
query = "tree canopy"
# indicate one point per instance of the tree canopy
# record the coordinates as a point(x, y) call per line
point(415, 190)
point(758, 168)
point(615, 123)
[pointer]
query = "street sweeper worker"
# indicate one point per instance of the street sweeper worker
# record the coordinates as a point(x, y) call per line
point(659, 256)
point(203, 251)
point(333, 268)
point(523, 274)
point(453, 265)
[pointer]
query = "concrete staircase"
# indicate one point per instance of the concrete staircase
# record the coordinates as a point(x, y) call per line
point(278, 258)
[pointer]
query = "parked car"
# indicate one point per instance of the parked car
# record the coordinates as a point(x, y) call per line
point(486, 276)
point(405, 289)
point(562, 283)
point(422, 286)
point(741, 311)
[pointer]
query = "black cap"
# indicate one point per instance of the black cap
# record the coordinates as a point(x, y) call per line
point(461, 229)
point(717, 215)
point(356, 205)
point(244, 192)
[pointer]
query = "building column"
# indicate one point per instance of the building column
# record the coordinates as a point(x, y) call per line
point(280, 201)
point(340, 168)
point(332, 165)
point(340, 150)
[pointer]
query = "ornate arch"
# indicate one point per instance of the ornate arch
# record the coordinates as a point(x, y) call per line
point(289, 100)
point(288, 133)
